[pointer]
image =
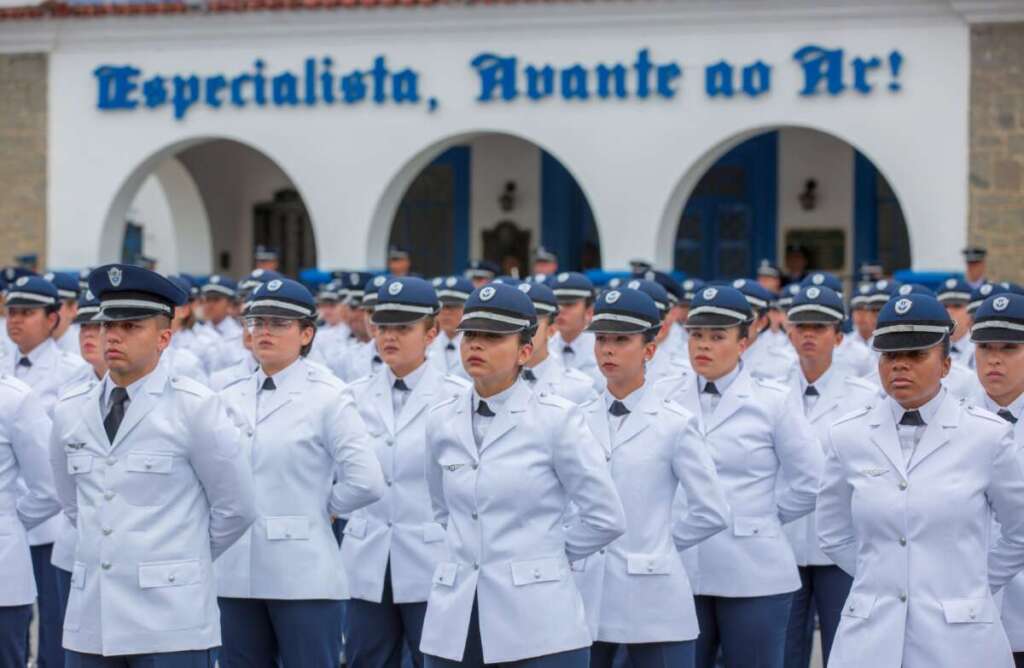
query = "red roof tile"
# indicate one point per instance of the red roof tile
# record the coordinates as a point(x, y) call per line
point(56, 9)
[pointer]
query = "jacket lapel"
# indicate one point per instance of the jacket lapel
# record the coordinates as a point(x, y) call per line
point(687, 394)
point(382, 400)
point(272, 401)
point(883, 435)
point(144, 401)
point(637, 421)
point(464, 423)
point(506, 420)
point(421, 396)
point(94, 414)
point(938, 431)
point(597, 420)
point(731, 401)
point(829, 395)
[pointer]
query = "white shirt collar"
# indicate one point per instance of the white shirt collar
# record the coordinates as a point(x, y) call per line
point(928, 411)
point(37, 353)
point(1016, 406)
point(133, 389)
point(723, 383)
point(631, 400)
point(410, 379)
point(819, 384)
point(282, 377)
point(498, 401)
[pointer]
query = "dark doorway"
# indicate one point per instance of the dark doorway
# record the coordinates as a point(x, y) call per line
point(283, 224)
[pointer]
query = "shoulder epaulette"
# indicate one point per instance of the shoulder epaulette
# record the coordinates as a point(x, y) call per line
point(982, 413)
point(446, 401)
point(846, 417)
point(771, 384)
point(551, 399)
point(75, 390)
point(185, 384)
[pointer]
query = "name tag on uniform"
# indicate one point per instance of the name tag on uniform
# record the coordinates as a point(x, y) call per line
point(74, 446)
point(874, 473)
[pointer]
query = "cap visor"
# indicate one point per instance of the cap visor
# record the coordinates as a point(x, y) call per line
point(903, 341)
point(997, 335)
point(712, 320)
point(395, 317)
point(275, 312)
point(812, 318)
point(615, 327)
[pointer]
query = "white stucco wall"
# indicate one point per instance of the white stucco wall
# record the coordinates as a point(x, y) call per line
point(635, 160)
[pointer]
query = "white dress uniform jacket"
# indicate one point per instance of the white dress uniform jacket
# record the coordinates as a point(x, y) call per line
point(358, 361)
point(153, 509)
point(24, 428)
point(503, 504)
point(554, 378)
point(636, 590)
point(237, 371)
point(52, 369)
point(400, 527)
point(297, 439)
point(758, 439)
point(69, 342)
point(917, 538)
point(962, 352)
point(226, 344)
point(855, 357)
point(448, 360)
point(668, 364)
point(838, 395)
point(767, 359)
point(582, 357)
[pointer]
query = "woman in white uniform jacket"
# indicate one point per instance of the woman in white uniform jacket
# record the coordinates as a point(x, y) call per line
point(24, 428)
point(392, 547)
point(504, 463)
point(906, 508)
point(636, 591)
point(280, 586)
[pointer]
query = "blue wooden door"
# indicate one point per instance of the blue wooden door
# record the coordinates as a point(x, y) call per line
point(729, 222)
point(567, 222)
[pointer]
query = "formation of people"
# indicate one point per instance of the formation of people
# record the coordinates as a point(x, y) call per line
point(481, 470)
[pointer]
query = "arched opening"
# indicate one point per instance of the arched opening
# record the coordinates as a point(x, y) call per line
point(203, 206)
point(489, 196)
point(801, 198)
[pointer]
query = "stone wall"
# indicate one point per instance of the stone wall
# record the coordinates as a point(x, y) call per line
point(997, 146)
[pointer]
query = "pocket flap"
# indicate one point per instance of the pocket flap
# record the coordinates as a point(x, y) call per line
point(294, 527)
point(452, 464)
point(79, 464)
point(444, 574)
point(859, 605)
point(433, 532)
point(169, 574)
point(536, 570)
point(78, 576)
point(578, 566)
point(648, 564)
point(149, 462)
point(755, 526)
point(967, 611)
point(356, 527)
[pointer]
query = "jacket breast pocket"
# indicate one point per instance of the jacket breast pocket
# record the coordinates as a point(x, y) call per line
point(648, 564)
point(454, 465)
point(536, 571)
point(859, 605)
point(356, 527)
point(433, 532)
point(755, 527)
point(79, 464)
point(445, 573)
point(148, 478)
point(294, 527)
point(967, 610)
point(73, 616)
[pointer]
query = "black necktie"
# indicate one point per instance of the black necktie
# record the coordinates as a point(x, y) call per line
point(912, 419)
point(483, 410)
point(954, 349)
point(1007, 415)
point(25, 362)
point(450, 346)
point(618, 409)
point(268, 384)
point(118, 398)
point(529, 375)
point(811, 391)
point(567, 350)
point(400, 385)
point(710, 388)
point(377, 359)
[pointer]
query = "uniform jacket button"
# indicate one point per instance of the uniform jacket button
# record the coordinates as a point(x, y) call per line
point(107, 531)
point(476, 466)
point(476, 565)
point(170, 578)
point(903, 598)
point(903, 540)
point(108, 495)
point(903, 485)
point(105, 565)
point(111, 460)
point(536, 574)
point(475, 516)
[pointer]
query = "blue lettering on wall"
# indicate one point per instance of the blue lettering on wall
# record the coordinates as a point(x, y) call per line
point(500, 78)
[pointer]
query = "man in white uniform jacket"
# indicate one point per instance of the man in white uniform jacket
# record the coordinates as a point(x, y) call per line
point(147, 466)
point(906, 508)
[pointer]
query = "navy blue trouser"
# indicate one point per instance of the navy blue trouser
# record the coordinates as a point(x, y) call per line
point(273, 633)
point(473, 657)
point(376, 633)
point(824, 590)
point(51, 612)
point(14, 623)
point(751, 632)
point(200, 658)
point(644, 655)
point(1018, 659)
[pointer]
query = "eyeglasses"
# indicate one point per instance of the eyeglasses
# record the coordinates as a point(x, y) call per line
point(272, 325)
